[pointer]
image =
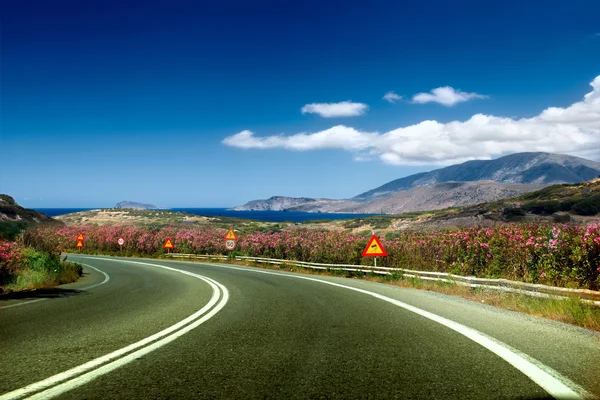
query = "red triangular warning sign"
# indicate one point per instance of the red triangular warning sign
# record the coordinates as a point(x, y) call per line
point(230, 235)
point(80, 243)
point(80, 237)
point(168, 244)
point(374, 248)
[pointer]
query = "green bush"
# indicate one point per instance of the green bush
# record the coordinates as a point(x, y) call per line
point(589, 206)
point(39, 261)
point(513, 214)
point(561, 218)
point(392, 235)
point(542, 207)
point(38, 269)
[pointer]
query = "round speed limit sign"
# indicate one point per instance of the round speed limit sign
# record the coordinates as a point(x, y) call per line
point(230, 244)
point(121, 241)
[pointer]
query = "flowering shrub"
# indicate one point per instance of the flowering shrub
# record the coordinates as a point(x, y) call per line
point(9, 257)
point(561, 255)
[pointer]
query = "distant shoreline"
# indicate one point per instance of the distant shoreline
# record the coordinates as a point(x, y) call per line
point(270, 216)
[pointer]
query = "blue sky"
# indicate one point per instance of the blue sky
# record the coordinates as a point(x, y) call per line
point(120, 100)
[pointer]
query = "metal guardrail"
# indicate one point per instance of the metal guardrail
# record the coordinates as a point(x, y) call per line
point(506, 285)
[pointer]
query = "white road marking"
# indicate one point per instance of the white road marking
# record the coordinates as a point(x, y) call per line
point(557, 385)
point(106, 279)
point(23, 303)
point(95, 368)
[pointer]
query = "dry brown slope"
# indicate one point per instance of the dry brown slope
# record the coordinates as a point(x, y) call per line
point(444, 195)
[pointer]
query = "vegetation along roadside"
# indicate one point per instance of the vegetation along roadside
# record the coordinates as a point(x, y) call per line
point(27, 268)
point(559, 254)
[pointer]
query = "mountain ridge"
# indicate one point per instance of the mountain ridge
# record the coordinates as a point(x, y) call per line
point(528, 167)
point(471, 182)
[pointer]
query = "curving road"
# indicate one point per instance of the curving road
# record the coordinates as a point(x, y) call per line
point(137, 329)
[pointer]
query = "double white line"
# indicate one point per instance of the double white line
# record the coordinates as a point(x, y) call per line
point(75, 377)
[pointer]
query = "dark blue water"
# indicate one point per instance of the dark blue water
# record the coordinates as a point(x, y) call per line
point(53, 212)
point(272, 216)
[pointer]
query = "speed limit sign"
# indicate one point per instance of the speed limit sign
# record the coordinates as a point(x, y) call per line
point(121, 241)
point(230, 244)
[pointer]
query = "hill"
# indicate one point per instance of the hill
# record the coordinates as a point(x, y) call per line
point(468, 183)
point(428, 197)
point(574, 203)
point(521, 168)
point(442, 195)
point(299, 204)
point(136, 206)
point(14, 218)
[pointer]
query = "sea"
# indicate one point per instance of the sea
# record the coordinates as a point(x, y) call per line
point(271, 216)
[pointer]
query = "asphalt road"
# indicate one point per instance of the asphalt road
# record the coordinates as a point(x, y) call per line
point(132, 329)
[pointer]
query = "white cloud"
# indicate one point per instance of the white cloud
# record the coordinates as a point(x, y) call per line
point(337, 137)
point(447, 96)
point(341, 109)
point(572, 130)
point(391, 97)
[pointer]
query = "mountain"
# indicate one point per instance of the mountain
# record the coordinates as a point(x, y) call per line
point(464, 184)
point(137, 206)
point(282, 203)
point(14, 218)
point(276, 203)
point(538, 168)
point(440, 195)
point(435, 196)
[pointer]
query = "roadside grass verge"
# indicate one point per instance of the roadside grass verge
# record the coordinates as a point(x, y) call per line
point(33, 269)
point(569, 310)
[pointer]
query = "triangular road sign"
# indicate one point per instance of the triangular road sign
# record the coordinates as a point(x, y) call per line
point(80, 237)
point(374, 248)
point(168, 244)
point(79, 243)
point(230, 235)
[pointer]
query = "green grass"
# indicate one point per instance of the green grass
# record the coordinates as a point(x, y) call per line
point(38, 270)
point(29, 279)
point(569, 310)
point(384, 221)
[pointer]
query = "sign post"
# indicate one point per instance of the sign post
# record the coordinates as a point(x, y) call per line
point(374, 249)
point(168, 245)
point(80, 240)
point(121, 242)
point(230, 240)
point(230, 235)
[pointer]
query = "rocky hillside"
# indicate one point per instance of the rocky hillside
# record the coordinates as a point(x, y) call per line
point(278, 203)
point(14, 218)
point(303, 204)
point(442, 195)
point(523, 168)
point(469, 183)
point(435, 196)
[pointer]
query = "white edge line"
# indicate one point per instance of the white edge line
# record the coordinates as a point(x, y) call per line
point(23, 303)
point(56, 379)
point(106, 279)
point(551, 381)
